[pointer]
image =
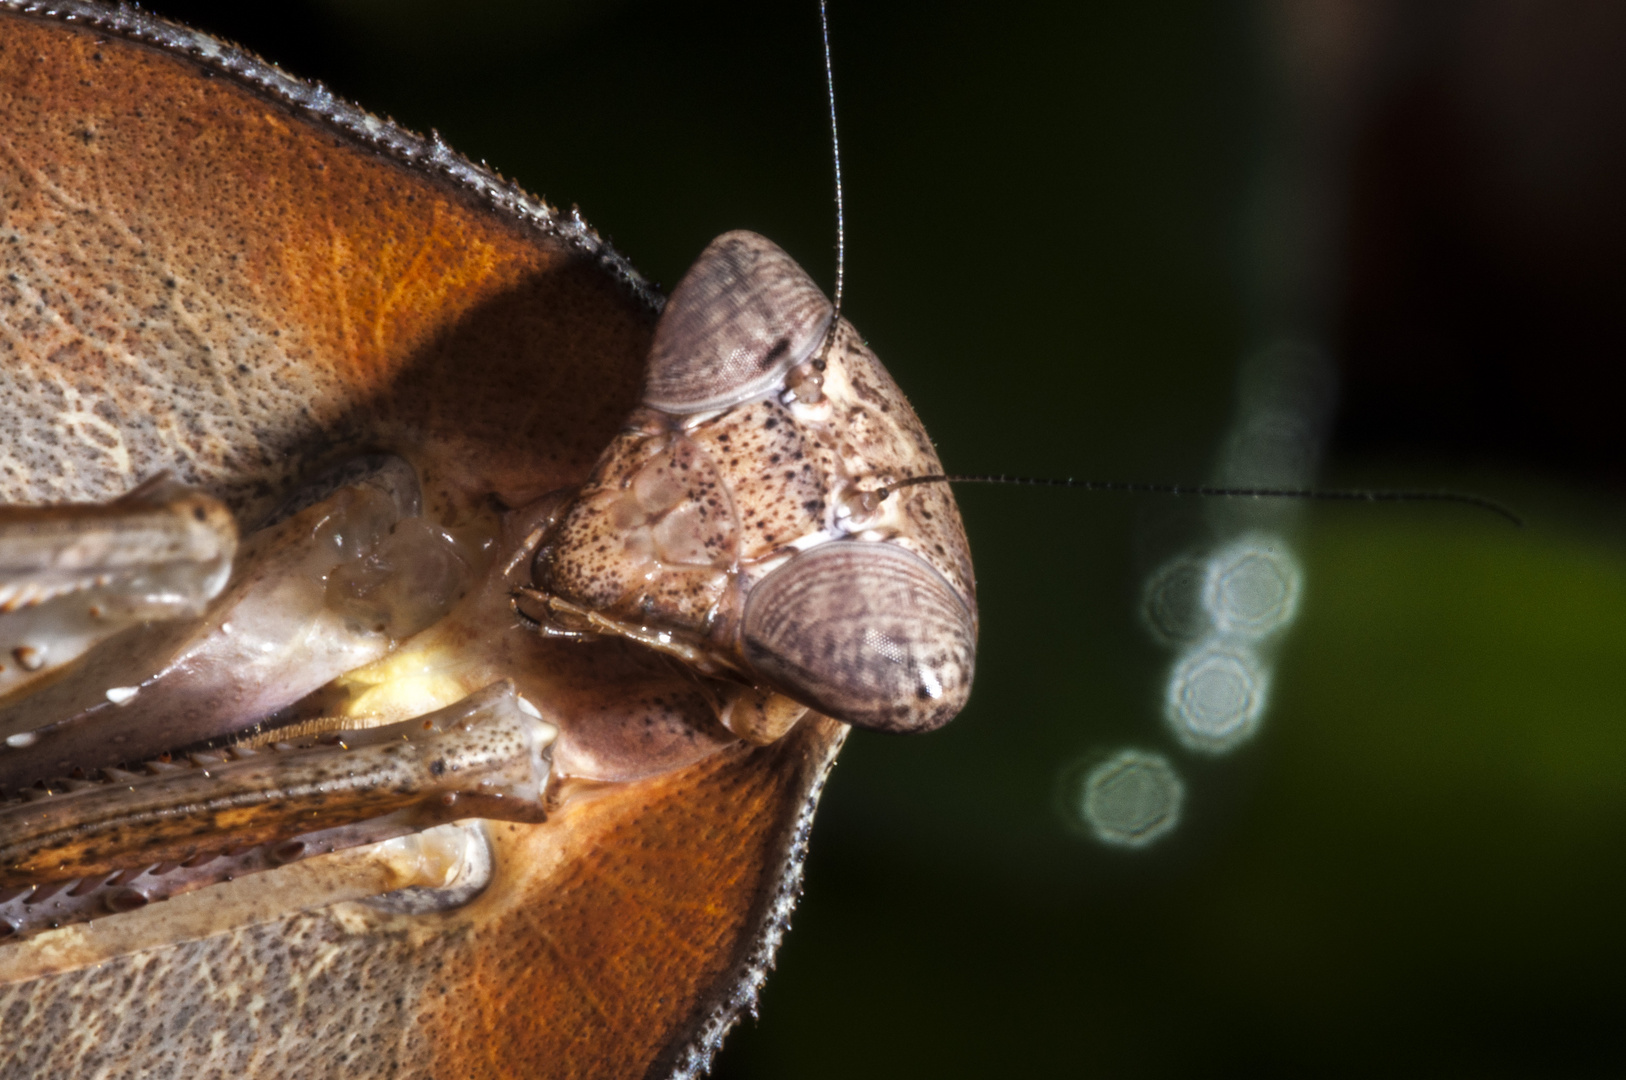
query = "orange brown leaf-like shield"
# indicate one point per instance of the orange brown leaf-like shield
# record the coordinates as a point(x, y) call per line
point(220, 272)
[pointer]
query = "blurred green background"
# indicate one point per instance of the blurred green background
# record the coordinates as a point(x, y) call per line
point(1416, 867)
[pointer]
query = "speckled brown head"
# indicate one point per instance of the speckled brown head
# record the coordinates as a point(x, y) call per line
point(740, 520)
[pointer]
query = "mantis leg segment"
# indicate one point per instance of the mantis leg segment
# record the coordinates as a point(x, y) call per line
point(72, 575)
point(76, 850)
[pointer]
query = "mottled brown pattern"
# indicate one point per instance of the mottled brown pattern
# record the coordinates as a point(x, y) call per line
point(194, 278)
point(742, 316)
point(866, 632)
point(685, 514)
point(595, 951)
point(772, 472)
point(481, 757)
point(882, 437)
point(721, 459)
point(304, 997)
point(629, 868)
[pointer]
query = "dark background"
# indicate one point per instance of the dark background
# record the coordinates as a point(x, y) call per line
point(1417, 867)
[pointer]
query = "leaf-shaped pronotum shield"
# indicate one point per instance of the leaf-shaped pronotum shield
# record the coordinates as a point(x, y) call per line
point(219, 273)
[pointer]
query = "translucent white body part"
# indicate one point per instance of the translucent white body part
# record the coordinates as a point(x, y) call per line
point(69, 580)
point(320, 593)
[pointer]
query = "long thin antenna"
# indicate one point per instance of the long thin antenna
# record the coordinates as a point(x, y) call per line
point(1123, 486)
point(835, 151)
point(1133, 487)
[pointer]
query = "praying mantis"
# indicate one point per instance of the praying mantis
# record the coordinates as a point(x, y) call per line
point(962, 405)
point(306, 585)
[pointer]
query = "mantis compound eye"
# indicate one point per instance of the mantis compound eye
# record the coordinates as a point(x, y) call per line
point(743, 316)
point(867, 633)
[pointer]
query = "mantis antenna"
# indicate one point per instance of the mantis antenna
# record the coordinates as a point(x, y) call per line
point(1129, 487)
point(1134, 487)
point(835, 152)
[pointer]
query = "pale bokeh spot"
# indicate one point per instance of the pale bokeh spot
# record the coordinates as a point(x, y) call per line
point(1132, 798)
point(1216, 696)
point(1252, 587)
point(1172, 602)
